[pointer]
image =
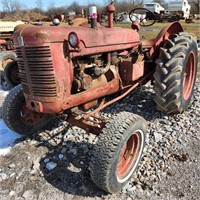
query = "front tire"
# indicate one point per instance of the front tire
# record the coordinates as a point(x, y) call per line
point(11, 73)
point(176, 73)
point(19, 118)
point(5, 58)
point(118, 151)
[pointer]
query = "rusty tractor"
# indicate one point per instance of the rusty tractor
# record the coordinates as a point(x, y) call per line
point(68, 71)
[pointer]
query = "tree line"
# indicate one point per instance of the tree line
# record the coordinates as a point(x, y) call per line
point(14, 6)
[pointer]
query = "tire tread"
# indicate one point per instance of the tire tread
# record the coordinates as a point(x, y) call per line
point(105, 148)
point(167, 85)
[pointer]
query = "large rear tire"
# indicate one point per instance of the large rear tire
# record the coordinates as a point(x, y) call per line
point(118, 151)
point(19, 118)
point(176, 73)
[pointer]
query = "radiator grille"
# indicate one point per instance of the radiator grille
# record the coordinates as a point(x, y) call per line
point(22, 72)
point(39, 68)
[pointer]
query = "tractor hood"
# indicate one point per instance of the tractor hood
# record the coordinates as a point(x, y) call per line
point(103, 36)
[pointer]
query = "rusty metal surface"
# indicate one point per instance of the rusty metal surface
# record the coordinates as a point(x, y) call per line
point(60, 104)
point(104, 105)
point(47, 79)
point(129, 71)
point(135, 26)
point(106, 39)
point(89, 105)
point(88, 126)
point(45, 76)
point(110, 9)
point(101, 80)
point(94, 112)
point(63, 100)
point(38, 75)
point(92, 94)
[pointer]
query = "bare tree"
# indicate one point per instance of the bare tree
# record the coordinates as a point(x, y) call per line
point(195, 6)
point(127, 5)
point(39, 7)
point(75, 7)
point(51, 5)
point(10, 5)
point(39, 4)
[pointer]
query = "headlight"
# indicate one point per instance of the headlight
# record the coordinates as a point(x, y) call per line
point(73, 40)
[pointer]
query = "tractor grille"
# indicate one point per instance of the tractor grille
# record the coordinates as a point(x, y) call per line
point(38, 66)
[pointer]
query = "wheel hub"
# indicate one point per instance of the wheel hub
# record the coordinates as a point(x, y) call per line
point(30, 117)
point(128, 155)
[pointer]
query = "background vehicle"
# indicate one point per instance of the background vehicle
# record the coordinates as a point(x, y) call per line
point(69, 70)
point(6, 31)
point(7, 55)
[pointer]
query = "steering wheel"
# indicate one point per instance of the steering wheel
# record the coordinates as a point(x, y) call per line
point(143, 16)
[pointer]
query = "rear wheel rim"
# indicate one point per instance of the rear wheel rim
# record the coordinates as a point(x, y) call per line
point(189, 76)
point(30, 117)
point(129, 156)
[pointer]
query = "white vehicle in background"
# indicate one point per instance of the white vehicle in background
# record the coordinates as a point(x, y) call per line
point(154, 7)
point(125, 18)
point(7, 29)
point(180, 6)
point(7, 55)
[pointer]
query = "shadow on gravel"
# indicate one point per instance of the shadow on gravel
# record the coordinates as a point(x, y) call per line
point(66, 165)
point(70, 159)
point(139, 101)
point(71, 174)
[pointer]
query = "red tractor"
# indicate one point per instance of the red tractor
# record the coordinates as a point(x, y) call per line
point(68, 71)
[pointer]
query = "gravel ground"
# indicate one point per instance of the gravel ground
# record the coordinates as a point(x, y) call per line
point(54, 163)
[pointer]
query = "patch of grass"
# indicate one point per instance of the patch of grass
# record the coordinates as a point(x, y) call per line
point(152, 31)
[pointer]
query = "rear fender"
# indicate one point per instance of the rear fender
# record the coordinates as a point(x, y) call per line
point(164, 34)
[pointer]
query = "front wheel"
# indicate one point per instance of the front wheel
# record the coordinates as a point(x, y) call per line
point(18, 117)
point(11, 73)
point(176, 73)
point(118, 151)
point(5, 58)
